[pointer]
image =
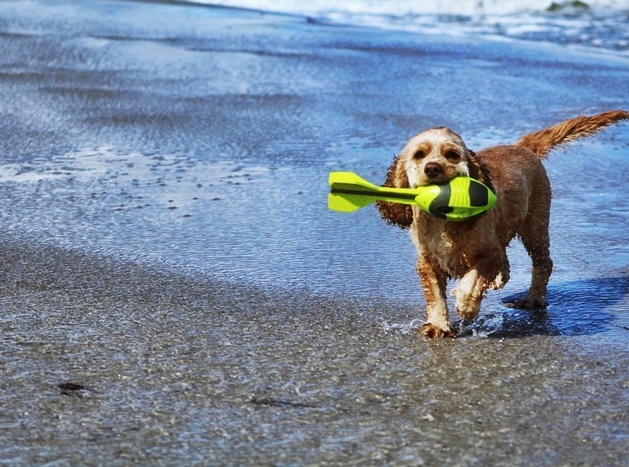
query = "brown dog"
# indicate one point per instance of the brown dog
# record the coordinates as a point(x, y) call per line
point(475, 249)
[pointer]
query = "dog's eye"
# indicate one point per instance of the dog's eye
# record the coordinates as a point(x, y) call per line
point(419, 154)
point(452, 155)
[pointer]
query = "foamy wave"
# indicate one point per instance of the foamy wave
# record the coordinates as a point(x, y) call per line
point(425, 7)
point(598, 23)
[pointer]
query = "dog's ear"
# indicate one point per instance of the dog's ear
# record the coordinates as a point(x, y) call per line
point(393, 213)
point(477, 169)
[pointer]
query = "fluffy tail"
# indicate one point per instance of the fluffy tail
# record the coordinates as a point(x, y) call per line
point(541, 142)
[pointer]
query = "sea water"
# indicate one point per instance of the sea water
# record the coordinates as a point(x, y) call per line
point(600, 24)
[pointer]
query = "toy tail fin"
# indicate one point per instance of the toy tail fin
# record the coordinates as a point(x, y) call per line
point(541, 142)
point(347, 202)
point(349, 192)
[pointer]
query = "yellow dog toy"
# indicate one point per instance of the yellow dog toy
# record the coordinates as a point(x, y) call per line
point(457, 200)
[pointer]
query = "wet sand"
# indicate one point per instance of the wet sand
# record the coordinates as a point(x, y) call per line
point(112, 363)
point(147, 318)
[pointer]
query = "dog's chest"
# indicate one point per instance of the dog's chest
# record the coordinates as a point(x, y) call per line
point(448, 247)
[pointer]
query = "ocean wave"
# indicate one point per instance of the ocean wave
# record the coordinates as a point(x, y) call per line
point(600, 24)
point(425, 7)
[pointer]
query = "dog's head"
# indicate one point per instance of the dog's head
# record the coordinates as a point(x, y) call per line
point(436, 155)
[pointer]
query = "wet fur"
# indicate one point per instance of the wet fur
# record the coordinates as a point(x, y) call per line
point(475, 250)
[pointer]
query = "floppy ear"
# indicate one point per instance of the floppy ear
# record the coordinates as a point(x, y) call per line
point(477, 170)
point(396, 214)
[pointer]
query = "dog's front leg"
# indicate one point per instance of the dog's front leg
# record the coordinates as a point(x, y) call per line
point(468, 294)
point(434, 280)
point(490, 270)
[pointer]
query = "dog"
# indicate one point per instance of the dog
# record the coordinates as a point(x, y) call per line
point(474, 250)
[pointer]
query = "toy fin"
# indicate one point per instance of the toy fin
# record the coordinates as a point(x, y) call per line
point(349, 192)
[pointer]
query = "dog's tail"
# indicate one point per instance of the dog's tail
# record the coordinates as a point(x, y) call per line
point(541, 142)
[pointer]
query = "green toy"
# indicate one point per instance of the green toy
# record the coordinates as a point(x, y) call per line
point(457, 200)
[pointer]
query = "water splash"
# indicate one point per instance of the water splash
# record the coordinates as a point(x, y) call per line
point(402, 328)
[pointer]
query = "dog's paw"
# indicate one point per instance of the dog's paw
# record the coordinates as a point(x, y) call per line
point(499, 282)
point(467, 307)
point(432, 331)
point(468, 295)
point(468, 313)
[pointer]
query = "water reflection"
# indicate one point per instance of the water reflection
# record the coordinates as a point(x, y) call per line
point(577, 308)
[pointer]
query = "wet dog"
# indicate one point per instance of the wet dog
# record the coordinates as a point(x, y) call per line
point(474, 250)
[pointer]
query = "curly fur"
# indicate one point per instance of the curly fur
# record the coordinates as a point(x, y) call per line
point(475, 250)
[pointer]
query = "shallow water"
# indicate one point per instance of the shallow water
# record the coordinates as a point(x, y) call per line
point(174, 288)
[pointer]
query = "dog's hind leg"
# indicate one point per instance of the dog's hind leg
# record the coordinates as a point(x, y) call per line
point(537, 246)
point(536, 240)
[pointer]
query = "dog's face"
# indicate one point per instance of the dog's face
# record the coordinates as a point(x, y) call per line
point(435, 156)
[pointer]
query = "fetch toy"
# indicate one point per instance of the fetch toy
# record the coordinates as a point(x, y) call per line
point(457, 200)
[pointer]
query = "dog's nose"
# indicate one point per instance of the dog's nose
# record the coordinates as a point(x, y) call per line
point(433, 170)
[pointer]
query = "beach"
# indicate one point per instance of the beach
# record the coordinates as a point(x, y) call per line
point(174, 290)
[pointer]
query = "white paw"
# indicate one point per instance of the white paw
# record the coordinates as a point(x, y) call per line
point(468, 296)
